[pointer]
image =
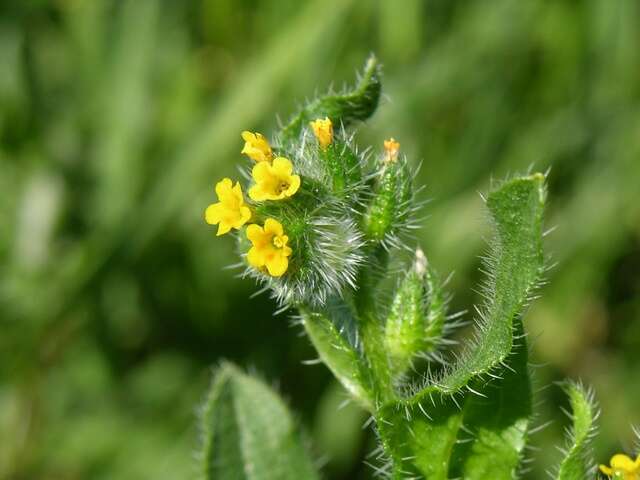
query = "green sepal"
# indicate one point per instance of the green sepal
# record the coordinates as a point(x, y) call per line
point(249, 433)
point(578, 462)
point(416, 318)
point(343, 109)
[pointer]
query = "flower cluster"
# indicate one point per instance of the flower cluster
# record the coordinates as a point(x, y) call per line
point(274, 180)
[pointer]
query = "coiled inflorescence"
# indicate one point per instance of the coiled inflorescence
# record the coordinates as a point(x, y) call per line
point(316, 209)
point(319, 213)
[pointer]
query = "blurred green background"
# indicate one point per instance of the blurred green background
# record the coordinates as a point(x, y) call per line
point(117, 118)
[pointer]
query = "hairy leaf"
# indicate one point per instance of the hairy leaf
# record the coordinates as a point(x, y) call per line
point(496, 422)
point(332, 333)
point(249, 433)
point(578, 463)
point(514, 264)
point(433, 417)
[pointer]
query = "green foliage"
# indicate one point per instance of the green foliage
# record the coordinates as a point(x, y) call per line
point(437, 413)
point(116, 117)
point(342, 358)
point(471, 418)
point(248, 432)
point(497, 420)
point(344, 108)
point(578, 462)
point(416, 319)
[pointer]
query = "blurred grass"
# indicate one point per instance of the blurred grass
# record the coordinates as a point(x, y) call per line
point(116, 119)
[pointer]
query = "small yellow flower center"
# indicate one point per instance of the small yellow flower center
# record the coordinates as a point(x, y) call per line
point(278, 242)
point(282, 187)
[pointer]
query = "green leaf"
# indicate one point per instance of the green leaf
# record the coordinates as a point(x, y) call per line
point(496, 422)
point(332, 333)
point(578, 463)
point(249, 433)
point(346, 108)
point(476, 436)
point(433, 417)
point(515, 264)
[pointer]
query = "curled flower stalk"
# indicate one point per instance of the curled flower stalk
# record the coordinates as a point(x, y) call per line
point(324, 227)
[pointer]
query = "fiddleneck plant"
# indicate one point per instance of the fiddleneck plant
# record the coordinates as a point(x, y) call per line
point(319, 227)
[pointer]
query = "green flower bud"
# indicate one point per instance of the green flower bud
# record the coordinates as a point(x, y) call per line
point(343, 170)
point(415, 322)
point(389, 213)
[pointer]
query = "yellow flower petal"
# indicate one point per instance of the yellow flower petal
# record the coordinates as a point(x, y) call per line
point(323, 130)
point(256, 147)
point(255, 234)
point(223, 227)
point(245, 216)
point(277, 265)
point(213, 213)
point(230, 212)
point(622, 462)
point(256, 194)
point(392, 148)
point(262, 172)
point(606, 470)
point(273, 227)
point(293, 186)
point(269, 247)
point(622, 466)
point(224, 189)
point(282, 167)
point(255, 257)
point(274, 181)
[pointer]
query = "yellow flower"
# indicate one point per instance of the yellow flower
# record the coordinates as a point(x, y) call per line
point(392, 148)
point(274, 181)
point(256, 147)
point(230, 211)
point(269, 248)
point(323, 130)
point(622, 467)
